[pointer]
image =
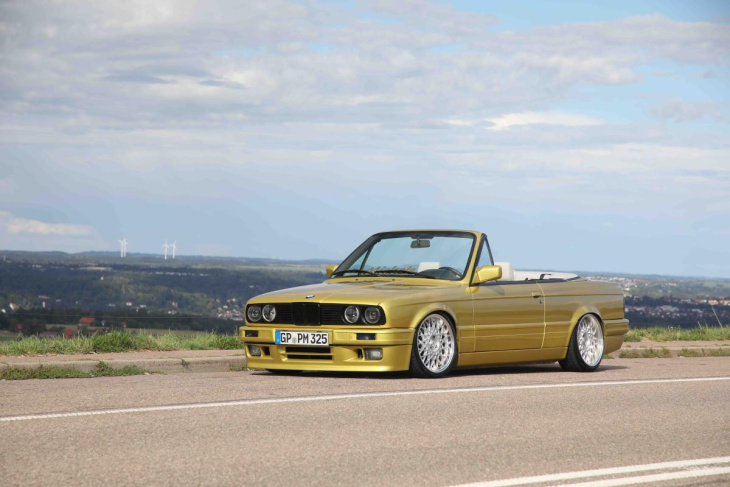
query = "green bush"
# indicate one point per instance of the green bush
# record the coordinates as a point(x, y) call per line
point(119, 341)
point(102, 369)
point(671, 334)
point(116, 341)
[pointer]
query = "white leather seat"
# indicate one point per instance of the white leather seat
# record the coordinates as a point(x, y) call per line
point(425, 266)
point(508, 273)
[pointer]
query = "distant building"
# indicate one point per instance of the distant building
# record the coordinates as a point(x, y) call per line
point(87, 320)
point(70, 333)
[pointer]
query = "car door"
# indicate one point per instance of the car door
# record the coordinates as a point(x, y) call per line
point(508, 316)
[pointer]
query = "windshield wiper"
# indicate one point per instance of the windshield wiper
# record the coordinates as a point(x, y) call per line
point(357, 271)
point(403, 271)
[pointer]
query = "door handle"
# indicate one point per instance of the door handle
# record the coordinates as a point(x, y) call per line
point(536, 295)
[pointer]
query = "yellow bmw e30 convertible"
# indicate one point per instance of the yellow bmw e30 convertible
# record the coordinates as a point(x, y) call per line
point(429, 301)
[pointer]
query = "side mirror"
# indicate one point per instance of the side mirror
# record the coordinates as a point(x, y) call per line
point(330, 270)
point(487, 273)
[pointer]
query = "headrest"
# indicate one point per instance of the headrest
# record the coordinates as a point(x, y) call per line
point(425, 266)
point(508, 274)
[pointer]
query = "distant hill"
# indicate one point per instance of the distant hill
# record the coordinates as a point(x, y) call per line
point(218, 287)
point(101, 281)
point(106, 258)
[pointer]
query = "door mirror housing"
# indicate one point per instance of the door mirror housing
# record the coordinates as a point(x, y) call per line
point(330, 270)
point(487, 273)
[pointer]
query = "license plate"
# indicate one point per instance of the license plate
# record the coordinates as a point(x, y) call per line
point(309, 338)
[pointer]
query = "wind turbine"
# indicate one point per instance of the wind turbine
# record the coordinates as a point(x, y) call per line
point(174, 248)
point(123, 250)
point(166, 246)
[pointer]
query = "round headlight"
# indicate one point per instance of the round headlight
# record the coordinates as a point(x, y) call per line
point(254, 313)
point(352, 313)
point(372, 315)
point(269, 312)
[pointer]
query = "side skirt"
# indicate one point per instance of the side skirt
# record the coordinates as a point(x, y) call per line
point(511, 357)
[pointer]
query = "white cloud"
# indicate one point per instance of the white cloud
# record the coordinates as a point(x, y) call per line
point(176, 65)
point(541, 118)
point(687, 111)
point(15, 226)
point(246, 109)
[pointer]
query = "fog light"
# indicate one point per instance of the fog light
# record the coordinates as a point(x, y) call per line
point(373, 353)
point(254, 350)
point(252, 333)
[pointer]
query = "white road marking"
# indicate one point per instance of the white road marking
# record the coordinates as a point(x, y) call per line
point(602, 472)
point(363, 395)
point(660, 477)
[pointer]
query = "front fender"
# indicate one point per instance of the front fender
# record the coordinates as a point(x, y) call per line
point(424, 311)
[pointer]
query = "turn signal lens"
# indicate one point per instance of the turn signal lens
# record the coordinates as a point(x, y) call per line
point(352, 314)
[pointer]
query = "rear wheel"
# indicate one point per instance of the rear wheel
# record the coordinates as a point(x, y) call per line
point(585, 351)
point(434, 347)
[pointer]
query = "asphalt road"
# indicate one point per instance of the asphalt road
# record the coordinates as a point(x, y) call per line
point(253, 428)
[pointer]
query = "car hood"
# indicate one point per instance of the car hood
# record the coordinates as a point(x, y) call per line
point(355, 292)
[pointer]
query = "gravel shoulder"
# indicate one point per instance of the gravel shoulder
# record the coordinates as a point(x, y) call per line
point(168, 362)
point(186, 361)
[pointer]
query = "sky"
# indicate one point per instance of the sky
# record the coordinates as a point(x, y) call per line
point(585, 135)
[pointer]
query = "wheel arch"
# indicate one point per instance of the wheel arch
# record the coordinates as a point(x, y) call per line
point(439, 308)
point(578, 314)
point(418, 368)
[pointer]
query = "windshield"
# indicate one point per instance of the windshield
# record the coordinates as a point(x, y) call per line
point(434, 255)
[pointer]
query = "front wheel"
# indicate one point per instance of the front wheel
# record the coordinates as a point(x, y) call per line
point(434, 347)
point(585, 351)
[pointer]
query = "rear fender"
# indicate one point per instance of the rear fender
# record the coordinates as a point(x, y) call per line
point(580, 313)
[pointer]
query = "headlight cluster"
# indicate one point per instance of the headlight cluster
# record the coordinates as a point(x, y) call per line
point(255, 313)
point(314, 314)
point(371, 314)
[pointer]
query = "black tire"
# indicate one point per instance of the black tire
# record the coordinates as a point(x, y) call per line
point(446, 343)
point(574, 361)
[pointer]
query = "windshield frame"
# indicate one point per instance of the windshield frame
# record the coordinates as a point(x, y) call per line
point(371, 241)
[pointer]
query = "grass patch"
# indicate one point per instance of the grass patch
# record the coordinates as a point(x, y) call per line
point(119, 341)
point(648, 353)
point(102, 369)
point(713, 352)
point(237, 368)
point(671, 334)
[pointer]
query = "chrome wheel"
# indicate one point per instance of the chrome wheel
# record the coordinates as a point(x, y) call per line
point(590, 340)
point(435, 343)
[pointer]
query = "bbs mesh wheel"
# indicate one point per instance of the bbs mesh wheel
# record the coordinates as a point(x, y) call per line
point(585, 350)
point(434, 347)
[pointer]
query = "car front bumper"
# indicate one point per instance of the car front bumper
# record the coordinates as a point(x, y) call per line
point(346, 353)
